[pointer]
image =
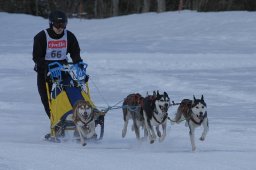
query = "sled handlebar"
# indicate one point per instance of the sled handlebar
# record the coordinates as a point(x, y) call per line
point(77, 70)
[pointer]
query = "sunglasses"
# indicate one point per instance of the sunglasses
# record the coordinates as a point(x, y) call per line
point(59, 25)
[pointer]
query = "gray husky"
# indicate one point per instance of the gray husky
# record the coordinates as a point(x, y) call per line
point(132, 110)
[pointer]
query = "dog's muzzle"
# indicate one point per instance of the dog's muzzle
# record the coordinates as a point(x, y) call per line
point(84, 112)
point(201, 115)
point(164, 108)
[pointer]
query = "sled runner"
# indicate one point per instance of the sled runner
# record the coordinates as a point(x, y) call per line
point(68, 86)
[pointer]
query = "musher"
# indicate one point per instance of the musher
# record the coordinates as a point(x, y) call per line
point(51, 45)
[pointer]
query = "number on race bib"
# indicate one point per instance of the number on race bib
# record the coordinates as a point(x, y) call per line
point(56, 54)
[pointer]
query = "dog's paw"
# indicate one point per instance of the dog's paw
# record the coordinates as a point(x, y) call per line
point(158, 133)
point(186, 124)
point(153, 137)
point(193, 149)
point(152, 141)
point(123, 133)
point(201, 138)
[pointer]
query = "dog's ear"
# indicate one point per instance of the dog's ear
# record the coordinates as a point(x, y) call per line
point(165, 94)
point(202, 98)
point(194, 97)
point(154, 93)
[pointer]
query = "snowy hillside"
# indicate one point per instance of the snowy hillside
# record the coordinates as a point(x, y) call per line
point(184, 54)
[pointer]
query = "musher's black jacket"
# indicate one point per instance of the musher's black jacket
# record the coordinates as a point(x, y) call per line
point(39, 49)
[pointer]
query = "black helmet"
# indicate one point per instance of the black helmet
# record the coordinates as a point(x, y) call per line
point(58, 19)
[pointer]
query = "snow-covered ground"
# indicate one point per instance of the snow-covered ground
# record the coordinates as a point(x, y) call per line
point(183, 53)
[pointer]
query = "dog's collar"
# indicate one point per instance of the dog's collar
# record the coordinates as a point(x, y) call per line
point(164, 118)
point(199, 120)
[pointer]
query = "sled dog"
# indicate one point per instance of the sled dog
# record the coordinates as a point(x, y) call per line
point(132, 110)
point(195, 113)
point(84, 120)
point(155, 108)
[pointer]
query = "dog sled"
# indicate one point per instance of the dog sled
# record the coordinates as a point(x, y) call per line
point(69, 85)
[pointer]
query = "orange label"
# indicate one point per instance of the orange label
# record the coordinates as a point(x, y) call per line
point(57, 44)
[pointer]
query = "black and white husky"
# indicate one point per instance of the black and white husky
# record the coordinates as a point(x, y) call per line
point(155, 113)
point(195, 113)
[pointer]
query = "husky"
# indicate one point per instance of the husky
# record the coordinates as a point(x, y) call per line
point(132, 110)
point(195, 113)
point(155, 113)
point(84, 120)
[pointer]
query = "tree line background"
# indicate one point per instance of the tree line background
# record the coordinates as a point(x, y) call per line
point(109, 8)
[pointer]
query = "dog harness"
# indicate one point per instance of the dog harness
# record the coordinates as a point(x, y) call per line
point(201, 118)
point(165, 117)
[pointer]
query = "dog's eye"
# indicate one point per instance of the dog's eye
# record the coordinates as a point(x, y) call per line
point(197, 107)
point(202, 106)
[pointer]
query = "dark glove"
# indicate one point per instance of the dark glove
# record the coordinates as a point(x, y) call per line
point(100, 120)
point(35, 68)
point(81, 66)
point(86, 78)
